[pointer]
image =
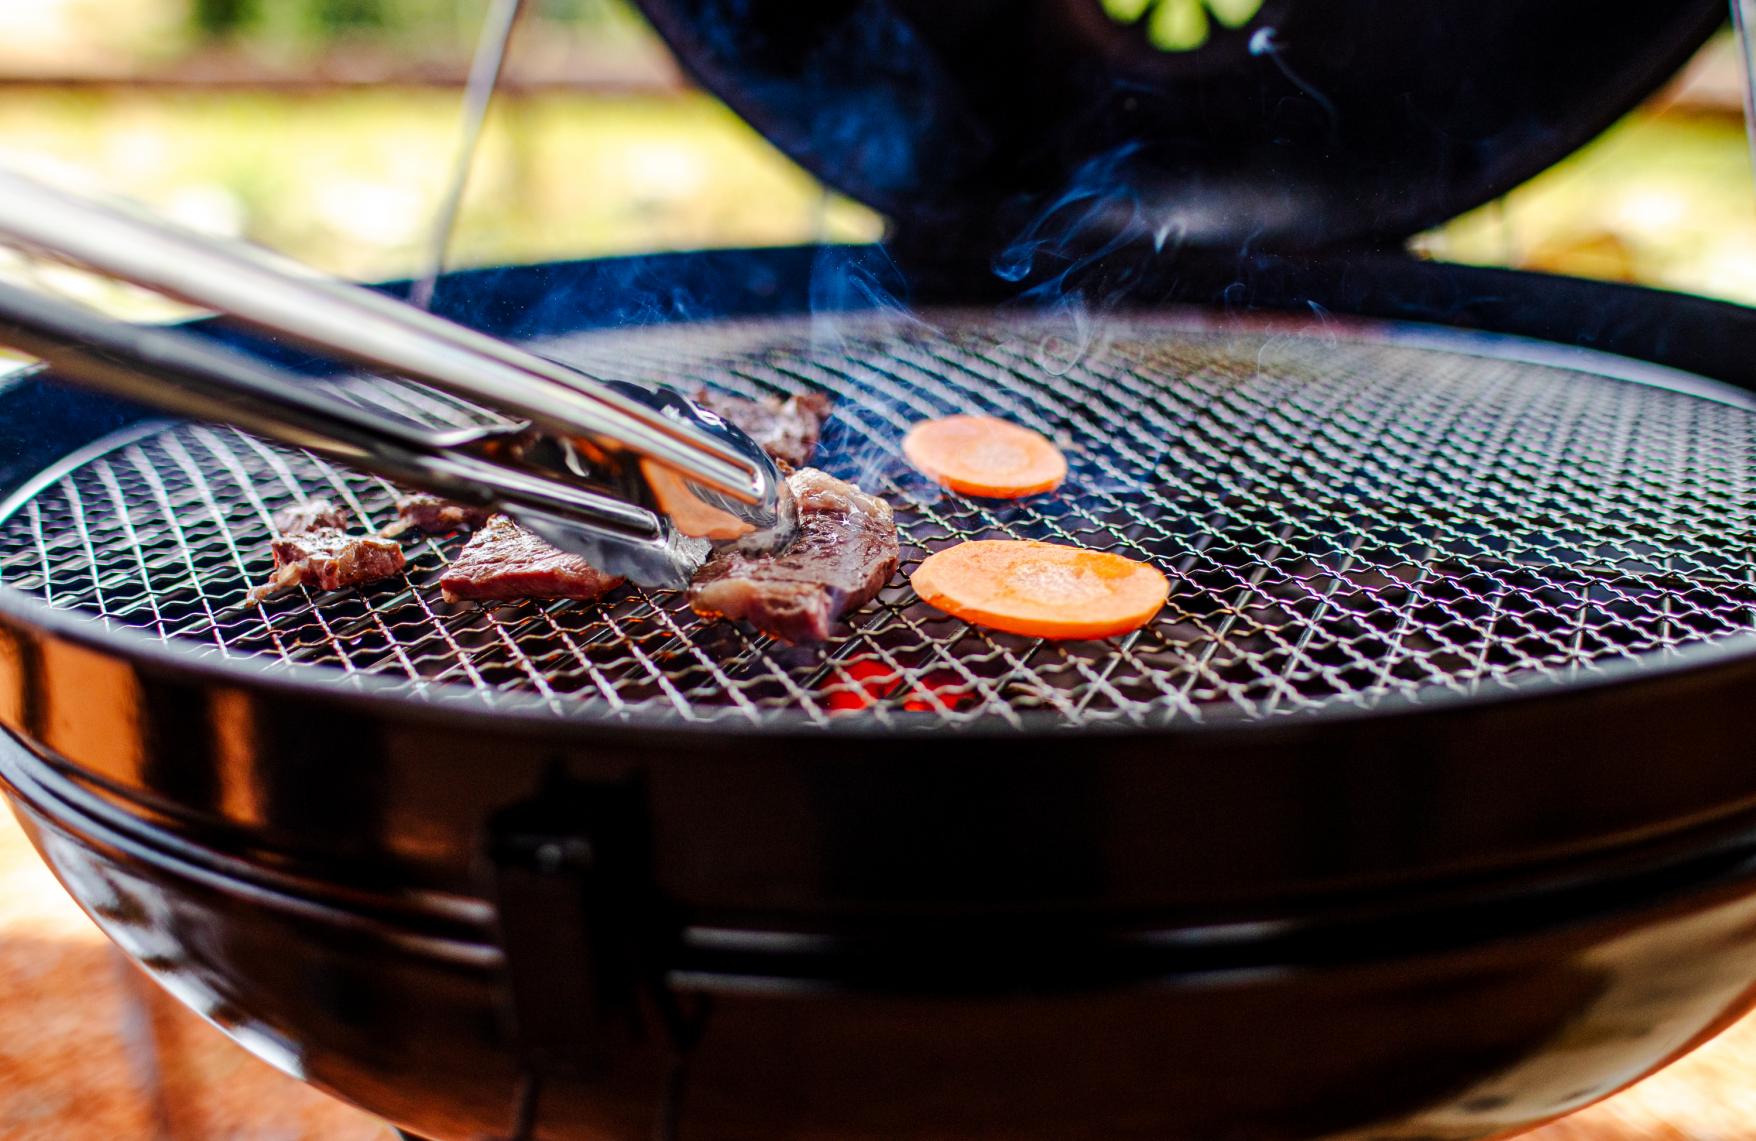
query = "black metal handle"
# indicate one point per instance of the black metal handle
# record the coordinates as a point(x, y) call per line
point(587, 939)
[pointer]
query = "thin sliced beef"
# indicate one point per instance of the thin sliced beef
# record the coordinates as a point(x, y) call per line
point(423, 511)
point(785, 429)
point(310, 515)
point(844, 553)
point(314, 548)
point(504, 561)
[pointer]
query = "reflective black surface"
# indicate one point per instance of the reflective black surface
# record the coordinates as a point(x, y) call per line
point(1438, 920)
point(1452, 1022)
point(995, 127)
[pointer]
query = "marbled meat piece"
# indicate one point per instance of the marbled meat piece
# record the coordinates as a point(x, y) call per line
point(313, 547)
point(310, 515)
point(504, 561)
point(436, 515)
point(843, 554)
point(785, 429)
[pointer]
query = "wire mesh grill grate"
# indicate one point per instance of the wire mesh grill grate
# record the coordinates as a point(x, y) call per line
point(1342, 520)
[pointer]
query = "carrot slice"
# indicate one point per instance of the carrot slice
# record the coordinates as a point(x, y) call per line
point(985, 456)
point(689, 513)
point(1044, 590)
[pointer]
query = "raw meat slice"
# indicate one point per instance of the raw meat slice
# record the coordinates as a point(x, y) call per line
point(423, 511)
point(843, 554)
point(504, 561)
point(310, 515)
point(785, 429)
point(314, 548)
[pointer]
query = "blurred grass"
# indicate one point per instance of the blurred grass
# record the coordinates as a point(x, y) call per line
point(348, 180)
point(1662, 199)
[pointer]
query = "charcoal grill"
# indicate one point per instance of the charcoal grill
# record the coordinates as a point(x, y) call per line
point(1349, 516)
point(1423, 810)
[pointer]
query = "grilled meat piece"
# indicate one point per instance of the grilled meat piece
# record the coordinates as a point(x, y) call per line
point(785, 429)
point(424, 511)
point(314, 547)
point(843, 554)
point(310, 515)
point(504, 561)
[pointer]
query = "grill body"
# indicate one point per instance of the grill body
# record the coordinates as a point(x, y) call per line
point(1410, 915)
point(1420, 1024)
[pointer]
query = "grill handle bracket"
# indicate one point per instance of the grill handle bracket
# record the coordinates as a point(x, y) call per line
point(585, 933)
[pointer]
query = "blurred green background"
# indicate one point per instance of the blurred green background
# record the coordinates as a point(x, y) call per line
point(326, 127)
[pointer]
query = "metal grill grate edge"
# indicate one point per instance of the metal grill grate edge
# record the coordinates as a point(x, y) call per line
point(1343, 518)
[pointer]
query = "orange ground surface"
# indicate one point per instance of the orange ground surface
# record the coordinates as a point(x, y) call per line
point(90, 1051)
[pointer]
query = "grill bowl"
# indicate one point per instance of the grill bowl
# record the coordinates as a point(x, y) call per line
point(1467, 751)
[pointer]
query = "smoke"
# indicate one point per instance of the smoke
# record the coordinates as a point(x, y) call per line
point(1083, 253)
point(1265, 44)
point(864, 280)
point(859, 296)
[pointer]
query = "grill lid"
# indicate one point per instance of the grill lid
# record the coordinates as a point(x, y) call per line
point(1212, 122)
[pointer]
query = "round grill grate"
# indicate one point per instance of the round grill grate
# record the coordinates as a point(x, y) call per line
point(1343, 518)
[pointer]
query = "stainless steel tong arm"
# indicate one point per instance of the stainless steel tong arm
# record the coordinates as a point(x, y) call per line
point(168, 369)
point(283, 298)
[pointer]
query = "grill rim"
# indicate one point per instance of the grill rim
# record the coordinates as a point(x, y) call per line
point(371, 692)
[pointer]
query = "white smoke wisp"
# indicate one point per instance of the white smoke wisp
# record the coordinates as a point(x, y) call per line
point(1081, 254)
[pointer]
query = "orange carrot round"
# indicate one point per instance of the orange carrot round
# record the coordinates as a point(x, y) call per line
point(691, 515)
point(985, 456)
point(1044, 590)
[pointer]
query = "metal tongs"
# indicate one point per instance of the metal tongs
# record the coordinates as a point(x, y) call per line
point(636, 478)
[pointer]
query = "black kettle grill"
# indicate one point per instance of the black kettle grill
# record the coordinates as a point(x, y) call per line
point(1424, 810)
